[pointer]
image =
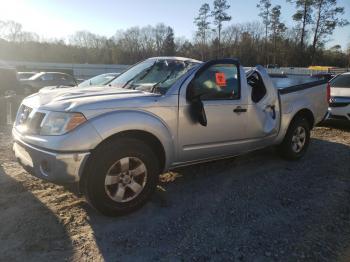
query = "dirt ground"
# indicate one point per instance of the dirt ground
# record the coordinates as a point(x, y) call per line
point(256, 207)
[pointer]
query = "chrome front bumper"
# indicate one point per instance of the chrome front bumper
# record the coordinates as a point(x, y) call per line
point(52, 166)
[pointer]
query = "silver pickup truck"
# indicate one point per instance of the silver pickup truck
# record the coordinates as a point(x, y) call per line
point(162, 113)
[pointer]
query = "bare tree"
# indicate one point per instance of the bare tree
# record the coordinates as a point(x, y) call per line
point(264, 6)
point(246, 41)
point(13, 30)
point(348, 54)
point(303, 16)
point(169, 43)
point(27, 37)
point(160, 34)
point(87, 39)
point(203, 26)
point(277, 28)
point(2, 28)
point(327, 17)
point(220, 16)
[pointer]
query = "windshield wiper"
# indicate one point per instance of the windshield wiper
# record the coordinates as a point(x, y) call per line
point(162, 81)
point(168, 76)
point(140, 75)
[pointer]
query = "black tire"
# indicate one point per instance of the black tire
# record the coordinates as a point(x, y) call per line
point(102, 159)
point(286, 147)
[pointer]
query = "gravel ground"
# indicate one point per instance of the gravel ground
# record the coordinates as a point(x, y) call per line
point(257, 207)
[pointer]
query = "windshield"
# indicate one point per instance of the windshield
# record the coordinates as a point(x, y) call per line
point(341, 81)
point(153, 75)
point(98, 80)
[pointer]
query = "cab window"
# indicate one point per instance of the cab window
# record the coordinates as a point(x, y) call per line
point(218, 82)
point(258, 87)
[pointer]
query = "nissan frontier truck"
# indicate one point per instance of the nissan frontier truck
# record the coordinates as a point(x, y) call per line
point(160, 114)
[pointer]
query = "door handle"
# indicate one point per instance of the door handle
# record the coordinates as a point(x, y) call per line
point(239, 109)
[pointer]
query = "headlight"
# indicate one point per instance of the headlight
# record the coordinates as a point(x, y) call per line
point(58, 123)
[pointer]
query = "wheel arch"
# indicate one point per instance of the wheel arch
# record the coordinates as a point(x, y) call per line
point(287, 120)
point(144, 136)
point(304, 113)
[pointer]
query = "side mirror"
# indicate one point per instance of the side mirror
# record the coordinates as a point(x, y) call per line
point(197, 110)
point(190, 92)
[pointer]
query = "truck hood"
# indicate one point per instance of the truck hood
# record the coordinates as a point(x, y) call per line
point(89, 98)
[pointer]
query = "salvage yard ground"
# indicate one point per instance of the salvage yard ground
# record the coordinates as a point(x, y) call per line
point(256, 207)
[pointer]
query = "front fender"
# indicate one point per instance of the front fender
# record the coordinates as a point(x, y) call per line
point(115, 122)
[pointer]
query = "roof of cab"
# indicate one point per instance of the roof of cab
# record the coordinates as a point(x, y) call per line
point(175, 58)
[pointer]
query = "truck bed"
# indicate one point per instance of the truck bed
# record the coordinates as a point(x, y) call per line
point(301, 92)
point(295, 82)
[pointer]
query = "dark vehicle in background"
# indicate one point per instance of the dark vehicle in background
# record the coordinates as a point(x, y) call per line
point(25, 75)
point(339, 104)
point(99, 80)
point(8, 86)
point(40, 80)
point(8, 80)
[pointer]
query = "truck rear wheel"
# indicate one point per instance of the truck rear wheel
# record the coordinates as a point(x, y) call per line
point(121, 176)
point(297, 139)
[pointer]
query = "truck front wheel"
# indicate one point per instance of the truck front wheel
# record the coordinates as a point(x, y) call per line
point(121, 176)
point(296, 140)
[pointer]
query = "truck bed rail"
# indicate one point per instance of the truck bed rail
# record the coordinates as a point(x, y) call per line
point(295, 88)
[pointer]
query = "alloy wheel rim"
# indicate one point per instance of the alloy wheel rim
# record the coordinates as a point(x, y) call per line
point(125, 179)
point(298, 139)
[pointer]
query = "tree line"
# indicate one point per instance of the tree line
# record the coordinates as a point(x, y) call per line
point(267, 40)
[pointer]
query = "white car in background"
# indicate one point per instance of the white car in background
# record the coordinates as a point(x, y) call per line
point(339, 106)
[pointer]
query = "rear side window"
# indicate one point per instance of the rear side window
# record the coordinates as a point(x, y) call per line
point(341, 81)
point(258, 87)
point(219, 81)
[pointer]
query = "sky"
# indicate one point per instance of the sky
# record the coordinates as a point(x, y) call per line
point(61, 18)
